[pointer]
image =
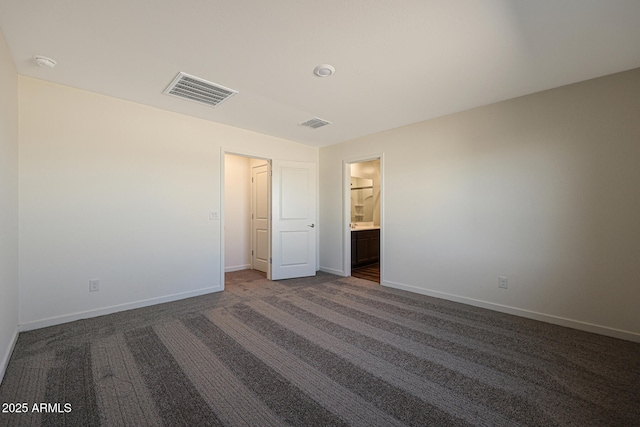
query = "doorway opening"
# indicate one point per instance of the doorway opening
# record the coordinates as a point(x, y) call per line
point(364, 206)
point(247, 196)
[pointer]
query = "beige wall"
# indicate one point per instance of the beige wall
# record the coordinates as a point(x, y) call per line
point(9, 204)
point(120, 192)
point(543, 189)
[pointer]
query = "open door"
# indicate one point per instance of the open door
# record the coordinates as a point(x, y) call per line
point(260, 217)
point(293, 228)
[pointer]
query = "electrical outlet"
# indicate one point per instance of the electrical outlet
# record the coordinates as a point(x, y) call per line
point(214, 216)
point(94, 285)
point(503, 282)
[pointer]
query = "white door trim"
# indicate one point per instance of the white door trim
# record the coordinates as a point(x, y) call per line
point(346, 211)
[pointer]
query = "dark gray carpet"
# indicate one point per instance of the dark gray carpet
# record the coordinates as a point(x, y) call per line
point(323, 351)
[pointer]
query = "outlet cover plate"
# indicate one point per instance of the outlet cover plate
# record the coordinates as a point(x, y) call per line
point(94, 285)
point(503, 282)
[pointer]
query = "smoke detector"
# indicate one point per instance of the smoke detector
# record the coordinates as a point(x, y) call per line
point(195, 89)
point(43, 61)
point(324, 70)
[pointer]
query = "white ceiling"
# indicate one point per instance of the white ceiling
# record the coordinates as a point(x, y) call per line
point(397, 62)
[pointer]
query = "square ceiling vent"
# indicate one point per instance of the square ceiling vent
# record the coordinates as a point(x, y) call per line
point(199, 90)
point(315, 123)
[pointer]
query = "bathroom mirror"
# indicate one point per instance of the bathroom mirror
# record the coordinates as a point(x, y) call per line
point(361, 199)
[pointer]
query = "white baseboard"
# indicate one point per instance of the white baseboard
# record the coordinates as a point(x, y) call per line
point(332, 271)
point(7, 354)
point(237, 268)
point(57, 320)
point(548, 318)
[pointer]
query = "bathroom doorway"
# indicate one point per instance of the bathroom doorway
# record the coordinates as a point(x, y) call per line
point(365, 214)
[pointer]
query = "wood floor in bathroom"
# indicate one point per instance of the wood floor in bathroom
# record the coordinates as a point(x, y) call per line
point(369, 272)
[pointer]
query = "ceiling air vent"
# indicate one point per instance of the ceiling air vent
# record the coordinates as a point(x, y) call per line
point(315, 123)
point(198, 90)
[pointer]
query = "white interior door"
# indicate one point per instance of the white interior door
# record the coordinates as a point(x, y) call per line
point(293, 190)
point(260, 218)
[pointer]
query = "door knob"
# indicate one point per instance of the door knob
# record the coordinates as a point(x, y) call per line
point(312, 225)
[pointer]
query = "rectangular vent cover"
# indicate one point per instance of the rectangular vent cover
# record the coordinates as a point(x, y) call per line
point(198, 90)
point(315, 123)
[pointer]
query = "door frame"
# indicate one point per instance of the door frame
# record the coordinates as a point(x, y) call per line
point(223, 152)
point(346, 211)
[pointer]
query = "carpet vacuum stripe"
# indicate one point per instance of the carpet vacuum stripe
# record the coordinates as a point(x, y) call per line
point(424, 329)
point(582, 394)
point(484, 331)
point(71, 380)
point(177, 398)
point(520, 349)
point(458, 375)
point(120, 388)
point(393, 390)
point(330, 394)
point(564, 340)
point(286, 400)
point(227, 396)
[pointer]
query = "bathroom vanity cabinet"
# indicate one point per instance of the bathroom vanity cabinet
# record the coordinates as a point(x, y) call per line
point(365, 247)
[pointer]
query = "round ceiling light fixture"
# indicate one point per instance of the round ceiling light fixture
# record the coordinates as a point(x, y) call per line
point(324, 70)
point(43, 61)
